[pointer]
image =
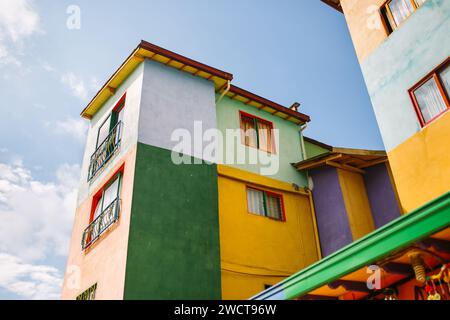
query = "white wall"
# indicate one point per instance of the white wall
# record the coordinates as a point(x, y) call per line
point(133, 87)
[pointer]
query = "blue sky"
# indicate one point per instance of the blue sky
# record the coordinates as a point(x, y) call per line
point(285, 51)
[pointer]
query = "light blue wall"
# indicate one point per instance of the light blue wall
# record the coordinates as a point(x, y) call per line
point(173, 99)
point(407, 55)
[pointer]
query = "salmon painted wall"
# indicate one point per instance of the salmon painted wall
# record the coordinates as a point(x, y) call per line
point(104, 261)
point(255, 250)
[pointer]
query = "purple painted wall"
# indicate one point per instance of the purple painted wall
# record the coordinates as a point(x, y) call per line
point(331, 215)
point(381, 195)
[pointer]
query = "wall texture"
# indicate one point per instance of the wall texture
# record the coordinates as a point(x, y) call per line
point(256, 250)
point(173, 99)
point(104, 261)
point(288, 148)
point(173, 250)
point(332, 219)
point(410, 53)
point(381, 194)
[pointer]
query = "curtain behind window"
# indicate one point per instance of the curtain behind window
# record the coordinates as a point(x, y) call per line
point(430, 100)
point(445, 78)
point(249, 131)
point(401, 9)
point(255, 201)
point(265, 136)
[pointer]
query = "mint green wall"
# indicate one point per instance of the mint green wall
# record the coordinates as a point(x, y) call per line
point(313, 150)
point(288, 149)
point(173, 248)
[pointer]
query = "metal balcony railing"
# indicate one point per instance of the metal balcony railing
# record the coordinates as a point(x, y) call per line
point(105, 150)
point(107, 218)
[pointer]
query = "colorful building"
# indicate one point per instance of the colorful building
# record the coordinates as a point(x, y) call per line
point(225, 224)
point(403, 47)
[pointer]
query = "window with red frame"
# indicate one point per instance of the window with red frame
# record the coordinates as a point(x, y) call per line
point(257, 132)
point(431, 95)
point(265, 203)
point(107, 197)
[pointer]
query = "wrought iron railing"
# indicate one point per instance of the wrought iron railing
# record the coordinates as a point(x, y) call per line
point(105, 150)
point(101, 224)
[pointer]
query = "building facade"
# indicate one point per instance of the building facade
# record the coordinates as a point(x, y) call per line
point(193, 188)
point(403, 47)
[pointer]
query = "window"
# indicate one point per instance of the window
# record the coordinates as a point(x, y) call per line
point(105, 210)
point(395, 12)
point(265, 204)
point(89, 294)
point(108, 139)
point(257, 133)
point(431, 95)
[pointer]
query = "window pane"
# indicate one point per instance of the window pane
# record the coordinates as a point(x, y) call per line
point(445, 78)
point(274, 207)
point(249, 131)
point(265, 136)
point(98, 209)
point(401, 9)
point(430, 100)
point(111, 193)
point(419, 2)
point(103, 132)
point(255, 201)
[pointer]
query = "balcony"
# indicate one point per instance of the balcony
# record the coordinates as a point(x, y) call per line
point(105, 151)
point(106, 219)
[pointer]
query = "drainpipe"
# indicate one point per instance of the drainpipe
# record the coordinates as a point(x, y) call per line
point(225, 92)
point(302, 128)
point(311, 201)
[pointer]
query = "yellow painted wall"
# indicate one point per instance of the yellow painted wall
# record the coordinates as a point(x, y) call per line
point(256, 250)
point(104, 262)
point(357, 203)
point(421, 165)
point(365, 25)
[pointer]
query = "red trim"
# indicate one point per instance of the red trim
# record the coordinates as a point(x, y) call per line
point(270, 123)
point(251, 96)
point(273, 194)
point(189, 62)
point(434, 74)
point(98, 194)
point(120, 104)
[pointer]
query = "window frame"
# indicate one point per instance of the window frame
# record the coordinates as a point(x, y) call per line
point(265, 193)
point(112, 118)
point(387, 16)
point(434, 74)
point(257, 119)
point(99, 195)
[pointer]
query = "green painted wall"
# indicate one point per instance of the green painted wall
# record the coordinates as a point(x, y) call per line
point(173, 250)
point(313, 150)
point(289, 147)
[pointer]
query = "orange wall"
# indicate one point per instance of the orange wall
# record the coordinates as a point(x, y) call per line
point(105, 261)
point(365, 25)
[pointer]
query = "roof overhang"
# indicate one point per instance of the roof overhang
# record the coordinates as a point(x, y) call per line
point(146, 50)
point(266, 105)
point(345, 271)
point(336, 4)
point(343, 158)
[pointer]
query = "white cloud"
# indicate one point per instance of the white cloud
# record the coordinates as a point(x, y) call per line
point(75, 84)
point(36, 216)
point(74, 127)
point(18, 21)
point(29, 281)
